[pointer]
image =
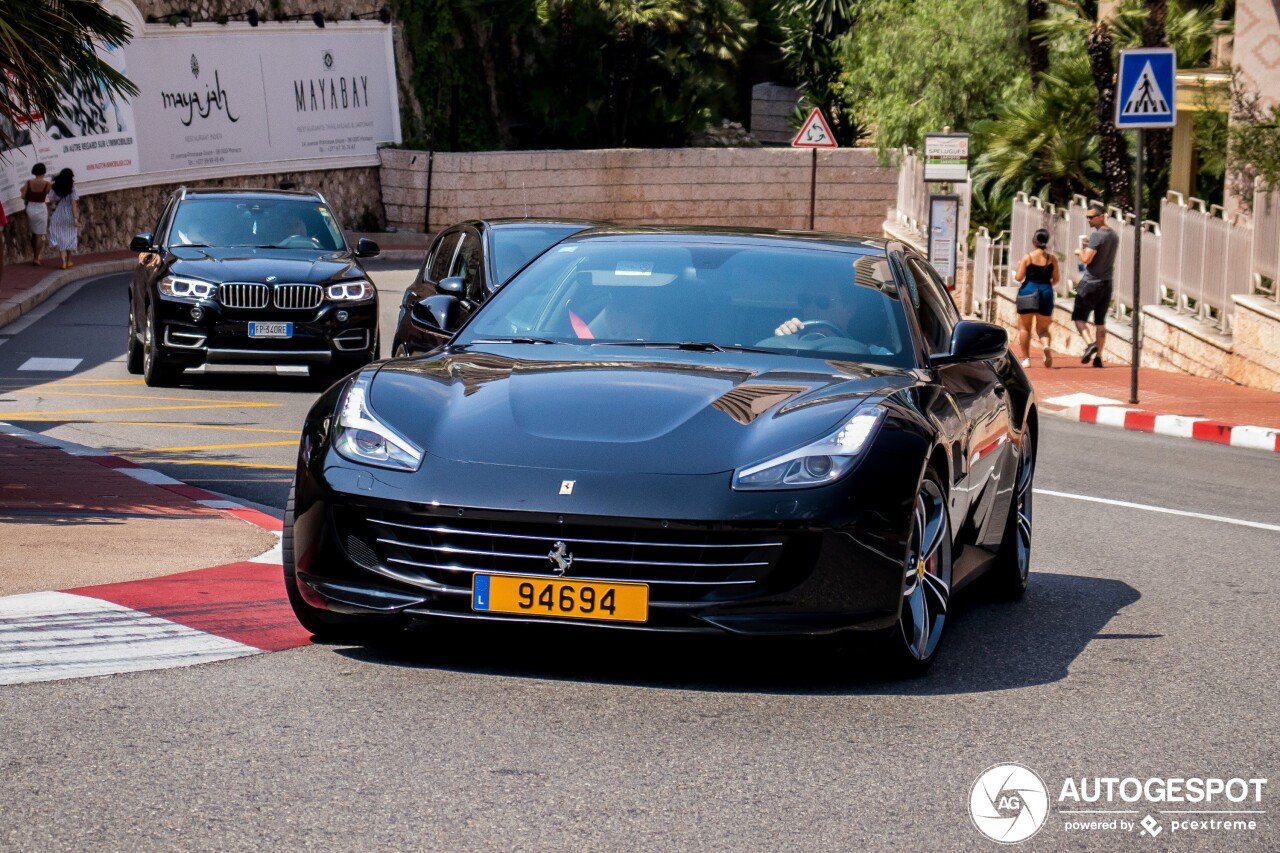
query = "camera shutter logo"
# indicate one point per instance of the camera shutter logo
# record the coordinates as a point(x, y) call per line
point(1009, 803)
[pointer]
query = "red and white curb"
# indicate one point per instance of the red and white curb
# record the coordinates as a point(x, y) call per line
point(1178, 426)
point(201, 616)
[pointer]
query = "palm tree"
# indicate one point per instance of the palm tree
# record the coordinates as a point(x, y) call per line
point(47, 48)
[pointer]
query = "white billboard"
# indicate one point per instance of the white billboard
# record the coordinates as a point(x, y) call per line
point(223, 100)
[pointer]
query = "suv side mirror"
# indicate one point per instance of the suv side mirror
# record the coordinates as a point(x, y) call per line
point(436, 313)
point(366, 248)
point(973, 341)
point(140, 243)
point(452, 284)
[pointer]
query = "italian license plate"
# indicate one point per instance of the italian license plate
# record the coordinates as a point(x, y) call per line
point(271, 330)
point(540, 596)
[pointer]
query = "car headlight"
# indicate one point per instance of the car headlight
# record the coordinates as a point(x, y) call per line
point(186, 288)
point(824, 461)
point(358, 435)
point(350, 291)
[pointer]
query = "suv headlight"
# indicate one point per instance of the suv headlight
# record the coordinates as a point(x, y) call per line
point(824, 461)
point(350, 291)
point(358, 435)
point(186, 288)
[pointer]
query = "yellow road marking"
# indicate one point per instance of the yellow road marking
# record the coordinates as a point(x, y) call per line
point(46, 392)
point(166, 424)
point(215, 462)
point(37, 415)
point(200, 447)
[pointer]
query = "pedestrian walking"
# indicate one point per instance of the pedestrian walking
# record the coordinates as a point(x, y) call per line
point(1093, 292)
point(1037, 274)
point(35, 192)
point(64, 224)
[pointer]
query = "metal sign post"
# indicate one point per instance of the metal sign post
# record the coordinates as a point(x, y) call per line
point(1145, 97)
point(815, 133)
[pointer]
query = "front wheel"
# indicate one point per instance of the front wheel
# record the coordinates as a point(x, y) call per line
point(156, 371)
point(912, 644)
point(133, 350)
point(324, 625)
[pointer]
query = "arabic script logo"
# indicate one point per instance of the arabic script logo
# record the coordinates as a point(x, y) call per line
point(1009, 803)
point(559, 554)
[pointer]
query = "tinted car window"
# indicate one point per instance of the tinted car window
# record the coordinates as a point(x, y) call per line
point(727, 295)
point(936, 313)
point(444, 256)
point(467, 266)
point(287, 223)
point(513, 246)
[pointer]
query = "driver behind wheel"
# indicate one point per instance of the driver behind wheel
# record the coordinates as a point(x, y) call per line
point(816, 308)
point(842, 313)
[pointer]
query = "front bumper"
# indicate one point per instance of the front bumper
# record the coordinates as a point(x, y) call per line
point(776, 564)
point(221, 335)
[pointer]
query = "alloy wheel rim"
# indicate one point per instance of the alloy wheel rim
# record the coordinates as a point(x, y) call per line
point(149, 347)
point(1026, 464)
point(927, 575)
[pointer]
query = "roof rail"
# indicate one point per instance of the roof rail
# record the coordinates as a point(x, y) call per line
point(182, 192)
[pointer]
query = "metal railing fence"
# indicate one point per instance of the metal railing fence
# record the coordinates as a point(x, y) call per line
point(1193, 258)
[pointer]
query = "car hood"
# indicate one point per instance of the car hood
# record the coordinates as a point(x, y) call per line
point(245, 263)
point(600, 408)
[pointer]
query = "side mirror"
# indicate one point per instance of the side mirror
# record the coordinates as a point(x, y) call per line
point(140, 243)
point(452, 284)
point(973, 341)
point(366, 248)
point(436, 314)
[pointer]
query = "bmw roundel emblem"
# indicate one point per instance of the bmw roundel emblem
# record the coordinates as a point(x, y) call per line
point(271, 279)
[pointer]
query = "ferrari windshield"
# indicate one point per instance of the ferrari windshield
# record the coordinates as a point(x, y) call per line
point(824, 302)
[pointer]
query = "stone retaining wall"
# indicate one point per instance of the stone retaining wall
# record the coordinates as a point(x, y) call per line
point(111, 219)
point(704, 186)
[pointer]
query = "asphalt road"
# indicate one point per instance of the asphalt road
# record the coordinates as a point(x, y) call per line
point(1144, 648)
point(232, 430)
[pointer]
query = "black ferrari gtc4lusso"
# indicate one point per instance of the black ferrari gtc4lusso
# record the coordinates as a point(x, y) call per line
point(677, 429)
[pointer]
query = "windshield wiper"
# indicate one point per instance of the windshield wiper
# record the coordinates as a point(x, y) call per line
point(512, 340)
point(691, 346)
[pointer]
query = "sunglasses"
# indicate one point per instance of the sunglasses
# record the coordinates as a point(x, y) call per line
point(822, 303)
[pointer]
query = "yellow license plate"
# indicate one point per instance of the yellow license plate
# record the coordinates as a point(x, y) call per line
point(535, 596)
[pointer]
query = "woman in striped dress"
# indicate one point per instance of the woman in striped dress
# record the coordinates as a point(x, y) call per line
point(64, 224)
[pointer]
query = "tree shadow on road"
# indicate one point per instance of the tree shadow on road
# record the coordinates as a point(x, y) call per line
point(991, 645)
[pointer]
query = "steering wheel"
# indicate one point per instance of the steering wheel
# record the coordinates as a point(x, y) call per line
point(818, 329)
point(299, 241)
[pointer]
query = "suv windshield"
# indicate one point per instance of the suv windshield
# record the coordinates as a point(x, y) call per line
point(828, 303)
point(514, 245)
point(278, 223)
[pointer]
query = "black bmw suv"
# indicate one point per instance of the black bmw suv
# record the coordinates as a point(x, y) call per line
point(249, 277)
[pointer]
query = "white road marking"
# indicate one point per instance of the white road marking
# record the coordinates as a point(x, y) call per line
point(1081, 399)
point(47, 636)
point(51, 365)
point(1206, 517)
point(147, 475)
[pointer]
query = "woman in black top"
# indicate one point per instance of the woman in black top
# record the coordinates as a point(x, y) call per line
point(1037, 273)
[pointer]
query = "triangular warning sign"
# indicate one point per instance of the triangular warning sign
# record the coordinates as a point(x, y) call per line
point(815, 133)
point(1146, 98)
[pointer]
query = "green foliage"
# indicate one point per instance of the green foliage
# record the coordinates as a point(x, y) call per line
point(572, 73)
point(1044, 141)
point(810, 33)
point(1255, 144)
point(46, 48)
point(914, 66)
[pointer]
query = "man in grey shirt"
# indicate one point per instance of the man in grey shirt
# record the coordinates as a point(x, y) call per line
point(1093, 293)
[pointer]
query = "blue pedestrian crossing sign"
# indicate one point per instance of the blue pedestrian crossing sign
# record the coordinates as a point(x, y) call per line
point(1146, 88)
